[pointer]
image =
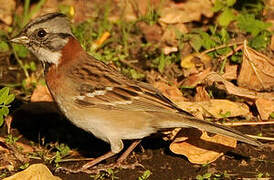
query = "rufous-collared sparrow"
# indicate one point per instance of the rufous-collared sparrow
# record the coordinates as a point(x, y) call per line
point(96, 97)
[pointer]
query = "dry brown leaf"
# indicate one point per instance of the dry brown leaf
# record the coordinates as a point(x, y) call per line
point(238, 91)
point(217, 108)
point(34, 172)
point(152, 33)
point(195, 79)
point(171, 32)
point(265, 107)
point(50, 6)
point(84, 10)
point(201, 94)
point(272, 43)
point(41, 94)
point(170, 91)
point(7, 11)
point(186, 11)
point(257, 71)
point(230, 72)
point(204, 150)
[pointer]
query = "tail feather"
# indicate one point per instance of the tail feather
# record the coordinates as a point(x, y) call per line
point(178, 120)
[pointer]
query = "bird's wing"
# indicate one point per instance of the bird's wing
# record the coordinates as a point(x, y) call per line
point(104, 87)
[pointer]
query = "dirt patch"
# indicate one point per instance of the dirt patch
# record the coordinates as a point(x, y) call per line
point(153, 153)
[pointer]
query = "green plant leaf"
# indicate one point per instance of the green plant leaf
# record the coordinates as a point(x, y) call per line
point(248, 23)
point(5, 111)
point(207, 42)
point(226, 17)
point(196, 42)
point(224, 35)
point(261, 41)
point(230, 2)
point(32, 66)
point(21, 50)
point(4, 94)
point(272, 115)
point(9, 99)
point(145, 175)
point(1, 119)
point(162, 63)
point(4, 47)
point(218, 5)
point(237, 57)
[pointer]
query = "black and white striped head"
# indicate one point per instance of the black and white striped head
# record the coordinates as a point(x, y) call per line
point(45, 36)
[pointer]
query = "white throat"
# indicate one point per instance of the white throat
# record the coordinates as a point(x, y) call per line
point(45, 55)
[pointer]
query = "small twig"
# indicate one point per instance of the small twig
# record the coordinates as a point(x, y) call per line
point(132, 66)
point(35, 157)
point(77, 159)
point(221, 47)
point(247, 123)
point(261, 137)
point(11, 85)
point(20, 63)
point(231, 52)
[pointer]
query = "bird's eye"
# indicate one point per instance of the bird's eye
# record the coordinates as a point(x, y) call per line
point(41, 33)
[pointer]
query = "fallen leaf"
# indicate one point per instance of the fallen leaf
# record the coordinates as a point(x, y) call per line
point(185, 11)
point(84, 10)
point(230, 72)
point(186, 61)
point(265, 107)
point(201, 94)
point(198, 60)
point(195, 79)
point(232, 89)
point(202, 150)
point(41, 94)
point(129, 11)
point(152, 33)
point(257, 71)
point(7, 11)
point(170, 34)
point(272, 43)
point(170, 91)
point(217, 108)
point(34, 172)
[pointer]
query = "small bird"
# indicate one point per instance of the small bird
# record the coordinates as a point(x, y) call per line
point(99, 99)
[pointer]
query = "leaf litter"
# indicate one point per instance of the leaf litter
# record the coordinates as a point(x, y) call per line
point(205, 59)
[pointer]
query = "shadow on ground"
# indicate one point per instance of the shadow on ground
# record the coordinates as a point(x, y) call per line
point(37, 121)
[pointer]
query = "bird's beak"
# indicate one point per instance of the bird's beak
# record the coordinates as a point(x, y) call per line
point(20, 39)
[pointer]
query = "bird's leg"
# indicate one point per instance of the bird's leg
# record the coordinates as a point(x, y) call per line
point(128, 151)
point(90, 166)
point(97, 160)
point(119, 163)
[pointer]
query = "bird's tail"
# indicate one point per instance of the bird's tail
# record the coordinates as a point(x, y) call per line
point(173, 120)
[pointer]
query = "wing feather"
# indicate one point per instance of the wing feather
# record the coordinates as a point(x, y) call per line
point(105, 87)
